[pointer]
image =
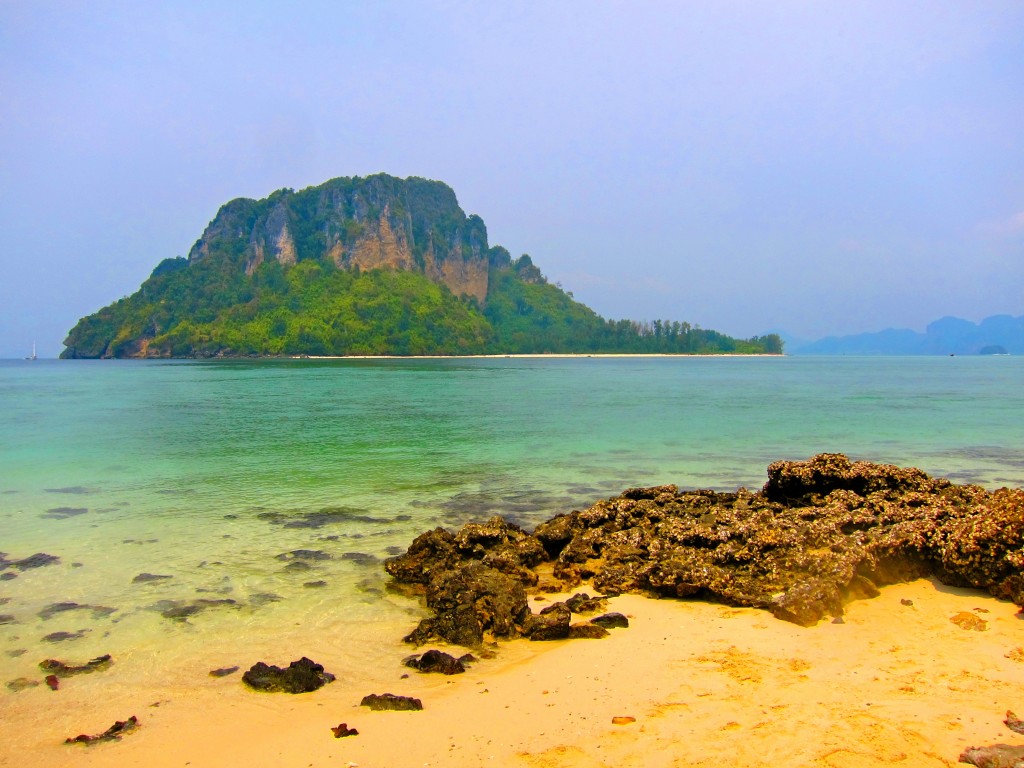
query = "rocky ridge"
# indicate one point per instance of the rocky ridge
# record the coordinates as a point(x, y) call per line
point(821, 533)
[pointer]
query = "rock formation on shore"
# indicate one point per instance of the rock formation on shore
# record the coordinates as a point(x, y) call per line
point(819, 534)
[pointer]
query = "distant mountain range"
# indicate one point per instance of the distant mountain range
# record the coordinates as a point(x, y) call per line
point(998, 334)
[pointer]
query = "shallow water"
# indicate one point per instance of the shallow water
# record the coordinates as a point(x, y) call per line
point(211, 473)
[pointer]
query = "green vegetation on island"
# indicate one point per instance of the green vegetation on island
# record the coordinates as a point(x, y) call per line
point(364, 266)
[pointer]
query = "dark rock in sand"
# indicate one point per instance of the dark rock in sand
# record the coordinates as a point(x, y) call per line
point(470, 601)
point(389, 701)
point(52, 682)
point(8, 575)
point(223, 671)
point(300, 676)
point(435, 661)
point(38, 560)
point(551, 624)
point(611, 621)
point(315, 584)
point(298, 566)
point(995, 756)
point(63, 669)
point(146, 578)
point(21, 683)
point(113, 733)
point(59, 637)
point(587, 631)
point(6, 618)
point(342, 730)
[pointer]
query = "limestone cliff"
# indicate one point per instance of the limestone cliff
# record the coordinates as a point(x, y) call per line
point(378, 222)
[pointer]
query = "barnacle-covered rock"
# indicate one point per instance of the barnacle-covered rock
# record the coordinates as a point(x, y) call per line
point(821, 533)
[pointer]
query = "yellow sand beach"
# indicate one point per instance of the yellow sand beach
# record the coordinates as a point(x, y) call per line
point(895, 683)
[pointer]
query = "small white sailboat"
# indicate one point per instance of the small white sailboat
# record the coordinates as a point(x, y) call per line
point(33, 356)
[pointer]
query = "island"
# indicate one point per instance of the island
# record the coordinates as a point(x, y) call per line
point(373, 265)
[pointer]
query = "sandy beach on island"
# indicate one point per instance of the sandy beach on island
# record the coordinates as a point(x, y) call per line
point(707, 684)
point(536, 355)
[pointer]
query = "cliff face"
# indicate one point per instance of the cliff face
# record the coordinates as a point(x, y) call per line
point(378, 222)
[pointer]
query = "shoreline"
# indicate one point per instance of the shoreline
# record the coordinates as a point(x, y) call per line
point(720, 686)
point(856, 675)
point(528, 356)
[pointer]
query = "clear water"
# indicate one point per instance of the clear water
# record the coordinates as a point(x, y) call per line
point(207, 472)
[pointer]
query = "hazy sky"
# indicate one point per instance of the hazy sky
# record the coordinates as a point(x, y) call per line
point(815, 167)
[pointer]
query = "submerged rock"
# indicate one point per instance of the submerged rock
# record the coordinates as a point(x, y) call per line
point(389, 701)
point(38, 560)
point(60, 637)
point(300, 676)
point(180, 610)
point(312, 555)
point(98, 611)
point(62, 669)
point(146, 578)
point(21, 683)
point(63, 513)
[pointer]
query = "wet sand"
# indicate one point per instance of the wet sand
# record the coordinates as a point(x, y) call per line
point(708, 685)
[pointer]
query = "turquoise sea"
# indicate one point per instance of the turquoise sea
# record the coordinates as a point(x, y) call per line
point(212, 474)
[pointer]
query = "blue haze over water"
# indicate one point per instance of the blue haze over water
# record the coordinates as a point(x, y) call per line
point(211, 472)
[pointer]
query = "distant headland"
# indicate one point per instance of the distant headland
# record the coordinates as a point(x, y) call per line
point(360, 266)
point(995, 335)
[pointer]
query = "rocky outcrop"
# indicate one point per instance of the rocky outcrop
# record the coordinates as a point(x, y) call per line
point(819, 534)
